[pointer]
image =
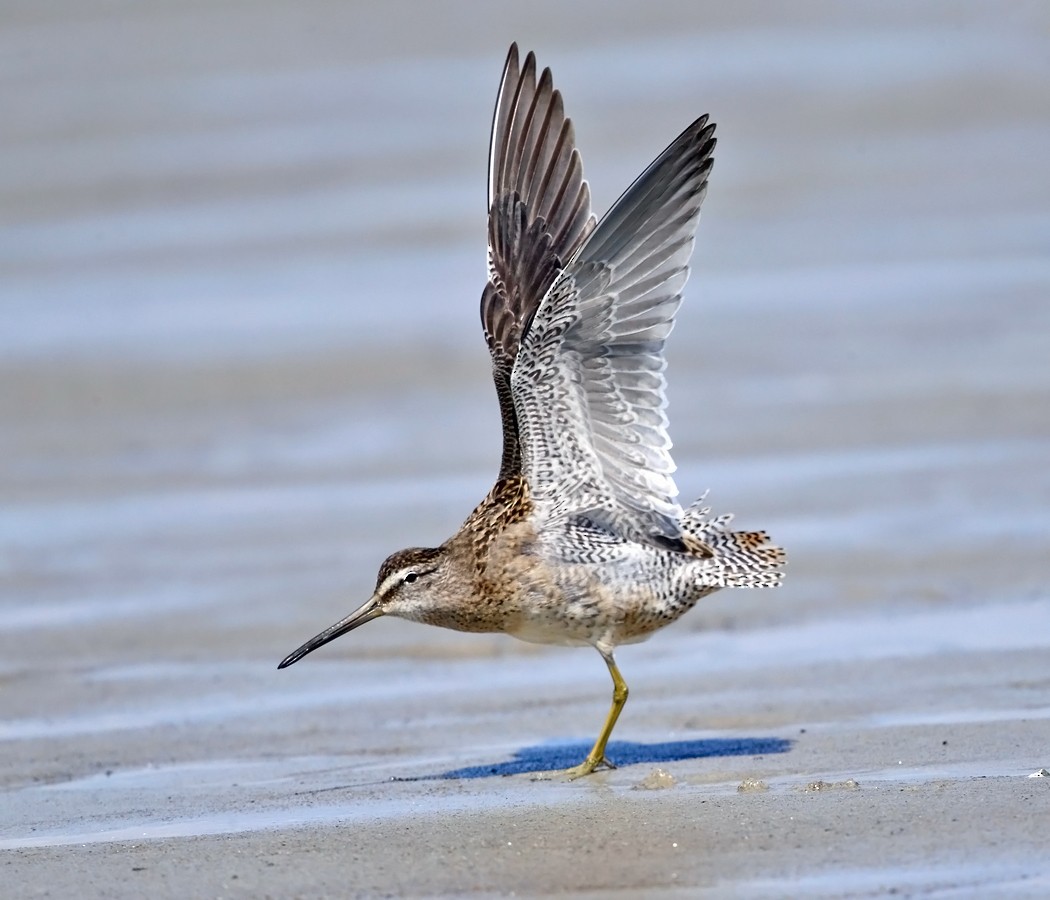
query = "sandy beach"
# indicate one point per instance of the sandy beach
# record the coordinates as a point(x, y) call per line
point(241, 250)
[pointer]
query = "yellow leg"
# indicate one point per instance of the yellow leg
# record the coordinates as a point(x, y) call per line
point(596, 758)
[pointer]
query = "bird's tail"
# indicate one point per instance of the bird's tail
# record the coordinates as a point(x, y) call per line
point(738, 558)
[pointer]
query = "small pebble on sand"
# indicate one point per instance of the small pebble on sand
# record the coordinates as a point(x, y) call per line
point(849, 784)
point(656, 780)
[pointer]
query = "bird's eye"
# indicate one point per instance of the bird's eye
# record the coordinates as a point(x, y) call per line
point(410, 577)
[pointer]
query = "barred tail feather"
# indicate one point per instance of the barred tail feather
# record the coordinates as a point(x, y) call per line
point(738, 558)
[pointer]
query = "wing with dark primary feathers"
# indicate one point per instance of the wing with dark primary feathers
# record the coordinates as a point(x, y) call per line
point(539, 216)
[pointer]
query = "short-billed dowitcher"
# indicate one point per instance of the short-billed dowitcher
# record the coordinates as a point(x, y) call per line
point(581, 541)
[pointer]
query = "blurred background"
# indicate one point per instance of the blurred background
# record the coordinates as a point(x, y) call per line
point(241, 250)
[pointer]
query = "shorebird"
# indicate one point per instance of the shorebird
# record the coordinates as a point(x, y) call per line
point(581, 541)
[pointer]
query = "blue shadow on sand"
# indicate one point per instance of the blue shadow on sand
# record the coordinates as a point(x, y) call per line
point(545, 757)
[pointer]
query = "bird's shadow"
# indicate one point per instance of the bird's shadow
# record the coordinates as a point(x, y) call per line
point(545, 757)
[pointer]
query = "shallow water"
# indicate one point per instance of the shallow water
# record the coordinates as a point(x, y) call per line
point(240, 257)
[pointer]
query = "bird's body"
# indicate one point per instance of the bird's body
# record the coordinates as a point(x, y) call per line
point(575, 584)
point(581, 540)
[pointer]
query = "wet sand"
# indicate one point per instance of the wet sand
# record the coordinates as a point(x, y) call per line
point(241, 248)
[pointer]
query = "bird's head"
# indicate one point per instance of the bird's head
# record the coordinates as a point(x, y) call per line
point(409, 585)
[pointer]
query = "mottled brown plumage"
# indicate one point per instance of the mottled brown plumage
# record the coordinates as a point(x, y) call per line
point(581, 540)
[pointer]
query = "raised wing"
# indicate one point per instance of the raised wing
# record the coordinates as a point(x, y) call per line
point(539, 215)
point(588, 384)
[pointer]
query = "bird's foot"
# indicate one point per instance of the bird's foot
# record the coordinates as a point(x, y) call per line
point(587, 767)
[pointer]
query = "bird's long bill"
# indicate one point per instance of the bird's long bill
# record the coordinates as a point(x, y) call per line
point(370, 610)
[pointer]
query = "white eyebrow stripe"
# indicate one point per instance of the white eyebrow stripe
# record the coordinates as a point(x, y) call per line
point(392, 579)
